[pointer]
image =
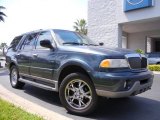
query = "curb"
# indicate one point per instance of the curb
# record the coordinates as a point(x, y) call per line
point(155, 72)
point(29, 106)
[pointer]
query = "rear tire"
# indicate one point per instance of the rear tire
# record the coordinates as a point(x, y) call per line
point(77, 94)
point(14, 76)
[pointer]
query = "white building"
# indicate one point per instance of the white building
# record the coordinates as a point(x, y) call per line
point(132, 24)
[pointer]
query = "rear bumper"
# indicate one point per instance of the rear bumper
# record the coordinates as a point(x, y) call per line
point(137, 88)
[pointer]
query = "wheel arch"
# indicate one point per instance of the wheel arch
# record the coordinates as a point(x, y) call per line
point(12, 63)
point(74, 66)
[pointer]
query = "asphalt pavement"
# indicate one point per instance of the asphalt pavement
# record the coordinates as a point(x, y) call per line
point(145, 106)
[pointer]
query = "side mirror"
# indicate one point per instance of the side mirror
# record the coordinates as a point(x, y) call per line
point(101, 43)
point(46, 43)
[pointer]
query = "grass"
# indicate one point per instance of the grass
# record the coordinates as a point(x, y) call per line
point(10, 112)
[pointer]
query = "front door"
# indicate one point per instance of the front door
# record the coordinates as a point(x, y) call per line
point(43, 59)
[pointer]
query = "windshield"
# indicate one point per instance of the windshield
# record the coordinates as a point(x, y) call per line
point(72, 38)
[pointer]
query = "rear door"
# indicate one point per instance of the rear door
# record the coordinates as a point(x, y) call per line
point(24, 54)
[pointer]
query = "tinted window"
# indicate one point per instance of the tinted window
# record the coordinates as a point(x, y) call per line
point(15, 42)
point(29, 41)
point(46, 35)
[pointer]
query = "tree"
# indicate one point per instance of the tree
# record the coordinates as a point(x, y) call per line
point(2, 14)
point(3, 45)
point(81, 26)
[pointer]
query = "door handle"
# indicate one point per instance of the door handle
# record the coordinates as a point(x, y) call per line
point(35, 55)
point(18, 54)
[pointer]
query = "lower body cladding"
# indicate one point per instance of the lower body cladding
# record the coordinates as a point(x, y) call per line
point(118, 85)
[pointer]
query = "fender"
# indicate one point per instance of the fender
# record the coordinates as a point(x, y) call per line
point(10, 60)
point(76, 62)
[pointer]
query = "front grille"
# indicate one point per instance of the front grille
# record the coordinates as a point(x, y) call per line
point(144, 62)
point(137, 61)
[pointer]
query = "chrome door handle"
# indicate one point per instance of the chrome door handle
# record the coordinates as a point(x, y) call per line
point(35, 55)
point(18, 54)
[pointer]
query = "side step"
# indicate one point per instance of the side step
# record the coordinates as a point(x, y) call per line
point(38, 85)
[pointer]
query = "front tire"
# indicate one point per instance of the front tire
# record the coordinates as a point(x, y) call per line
point(14, 76)
point(77, 94)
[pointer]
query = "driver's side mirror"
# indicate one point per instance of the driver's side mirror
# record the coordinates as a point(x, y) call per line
point(46, 44)
point(101, 43)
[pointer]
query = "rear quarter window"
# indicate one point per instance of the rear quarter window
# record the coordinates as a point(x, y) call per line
point(15, 42)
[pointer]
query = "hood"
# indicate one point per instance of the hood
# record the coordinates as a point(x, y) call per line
point(111, 51)
point(101, 50)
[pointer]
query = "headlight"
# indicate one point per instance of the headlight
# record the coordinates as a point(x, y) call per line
point(113, 63)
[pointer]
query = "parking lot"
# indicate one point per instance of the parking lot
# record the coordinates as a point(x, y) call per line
point(142, 107)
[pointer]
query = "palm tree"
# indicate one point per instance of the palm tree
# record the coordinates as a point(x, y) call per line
point(2, 14)
point(2, 45)
point(81, 26)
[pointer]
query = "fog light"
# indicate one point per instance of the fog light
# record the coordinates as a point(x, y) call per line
point(127, 84)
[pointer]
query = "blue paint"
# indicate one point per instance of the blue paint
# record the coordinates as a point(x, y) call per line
point(136, 4)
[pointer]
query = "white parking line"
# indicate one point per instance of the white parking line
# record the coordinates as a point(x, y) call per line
point(29, 106)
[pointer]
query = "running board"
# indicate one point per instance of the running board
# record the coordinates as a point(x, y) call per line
point(39, 85)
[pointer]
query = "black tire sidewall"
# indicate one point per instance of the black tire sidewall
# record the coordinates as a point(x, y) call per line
point(18, 84)
point(64, 83)
point(12, 68)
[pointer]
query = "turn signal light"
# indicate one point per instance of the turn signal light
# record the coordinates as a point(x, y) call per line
point(105, 63)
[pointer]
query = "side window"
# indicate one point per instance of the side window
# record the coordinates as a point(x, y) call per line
point(29, 41)
point(46, 35)
point(15, 42)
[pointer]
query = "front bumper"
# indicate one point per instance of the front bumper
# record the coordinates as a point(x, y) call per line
point(137, 88)
point(113, 85)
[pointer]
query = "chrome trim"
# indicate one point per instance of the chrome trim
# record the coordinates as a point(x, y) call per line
point(132, 55)
point(43, 79)
point(38, 85)
point(135, 55)
point(41, 68)
point(35, 67)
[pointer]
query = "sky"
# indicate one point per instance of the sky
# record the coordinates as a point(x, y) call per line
point(28, 15)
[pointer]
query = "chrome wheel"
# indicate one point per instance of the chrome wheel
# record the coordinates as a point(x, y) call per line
point(78, 94)
point(14, 77)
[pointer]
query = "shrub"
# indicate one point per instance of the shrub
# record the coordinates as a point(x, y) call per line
point(154, 67)
point(139, 51)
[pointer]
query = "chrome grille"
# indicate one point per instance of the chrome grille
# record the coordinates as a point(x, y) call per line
point(136, 61)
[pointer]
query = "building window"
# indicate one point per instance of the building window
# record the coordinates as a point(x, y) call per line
point(124, 42)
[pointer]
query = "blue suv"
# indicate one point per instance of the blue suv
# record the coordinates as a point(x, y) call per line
point(79, 69)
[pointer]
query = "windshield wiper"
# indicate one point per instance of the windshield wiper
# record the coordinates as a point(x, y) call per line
point(75, 43)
